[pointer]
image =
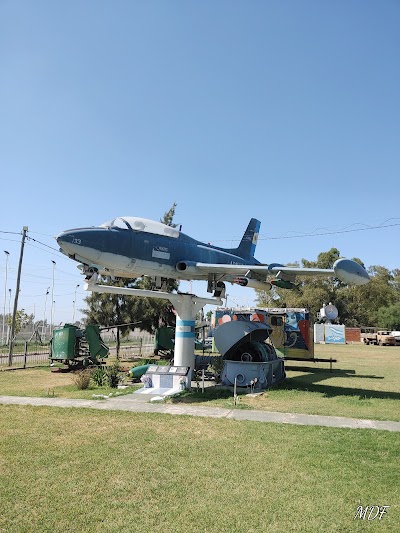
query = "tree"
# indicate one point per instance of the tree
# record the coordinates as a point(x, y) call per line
point(312, 292)
point(169, 216)
point(395, 282)
point(22, 320)
point(109, 310)
point(357, 305)
point(389, 317)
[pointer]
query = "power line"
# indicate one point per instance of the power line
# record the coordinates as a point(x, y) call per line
point(43, 244)
point(8, 240)
point(315, 233)
point(44, 234)
point(59, 254)
point(336, 232)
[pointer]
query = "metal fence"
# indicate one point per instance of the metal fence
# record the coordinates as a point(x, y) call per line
point(24, 354)
point(28, 354)
point(136, 347)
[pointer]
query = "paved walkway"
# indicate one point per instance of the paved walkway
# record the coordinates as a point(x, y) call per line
point(135, 403)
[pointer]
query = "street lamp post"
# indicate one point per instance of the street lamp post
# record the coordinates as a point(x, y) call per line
point(5, 297)
point(52, 319)
point(73, 314)
point(52, 297)
point(9, 314)
point(44, 314)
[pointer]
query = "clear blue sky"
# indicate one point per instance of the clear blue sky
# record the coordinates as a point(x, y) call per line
point(287, 111)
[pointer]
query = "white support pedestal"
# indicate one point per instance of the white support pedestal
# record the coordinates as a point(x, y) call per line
point(186, 307)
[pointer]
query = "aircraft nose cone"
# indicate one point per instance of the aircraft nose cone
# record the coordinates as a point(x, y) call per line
point(64, 239)
point(79, 244)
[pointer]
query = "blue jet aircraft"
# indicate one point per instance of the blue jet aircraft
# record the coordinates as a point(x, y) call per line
point(132, 247)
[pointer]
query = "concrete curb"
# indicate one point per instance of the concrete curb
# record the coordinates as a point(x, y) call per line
point(125, 403)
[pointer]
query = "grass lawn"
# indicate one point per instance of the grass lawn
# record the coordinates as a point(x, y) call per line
point(365, 383)
point(71, 470)
point(45, 382)
point(92, 471)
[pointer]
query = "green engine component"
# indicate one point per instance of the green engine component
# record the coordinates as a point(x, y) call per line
point(97, 348)
point(164, 341)
point(76, 347)
point(138, 371)
point(63, 345)
point(283, 284)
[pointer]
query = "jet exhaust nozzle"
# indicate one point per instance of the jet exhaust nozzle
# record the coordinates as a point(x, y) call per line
point(186, 266)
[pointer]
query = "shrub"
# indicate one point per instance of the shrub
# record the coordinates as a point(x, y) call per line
point(113, 375)
point(99, 376)
point(216, 367)
point(82, 378)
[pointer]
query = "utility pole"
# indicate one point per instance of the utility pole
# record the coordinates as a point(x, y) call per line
point(52, 300)
point(74, 302)
point(21, 255)
point(5, 296)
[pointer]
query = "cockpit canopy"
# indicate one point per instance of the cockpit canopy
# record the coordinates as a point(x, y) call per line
point(141, 224)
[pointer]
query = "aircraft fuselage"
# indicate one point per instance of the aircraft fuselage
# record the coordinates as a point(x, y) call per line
point(132, 253)
point(132, 247)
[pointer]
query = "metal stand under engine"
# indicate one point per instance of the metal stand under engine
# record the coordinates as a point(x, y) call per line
point(248, 359)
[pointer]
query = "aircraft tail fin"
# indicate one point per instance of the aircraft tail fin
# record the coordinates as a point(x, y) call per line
point(247, 246)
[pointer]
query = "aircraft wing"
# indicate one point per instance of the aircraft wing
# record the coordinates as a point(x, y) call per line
point(300, 271)
point(346, 270)
point(263, 270)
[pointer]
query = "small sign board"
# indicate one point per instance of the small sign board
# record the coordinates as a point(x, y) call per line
point(165, 369)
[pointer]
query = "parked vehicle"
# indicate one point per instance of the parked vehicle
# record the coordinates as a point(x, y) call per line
point(381, 337)
point(385, 338)
point(368, 335)
point(396, 335)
